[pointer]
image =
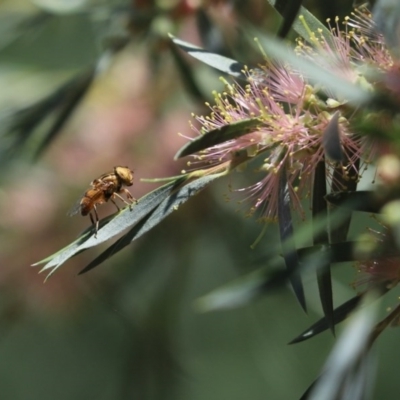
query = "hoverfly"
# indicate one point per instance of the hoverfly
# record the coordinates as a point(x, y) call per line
point(108, 186)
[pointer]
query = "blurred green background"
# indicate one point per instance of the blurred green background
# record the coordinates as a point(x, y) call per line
point(129, 329)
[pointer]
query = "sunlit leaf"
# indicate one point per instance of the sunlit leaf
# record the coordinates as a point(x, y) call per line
point(165, 208)
point(123, 220)
point(221, 63)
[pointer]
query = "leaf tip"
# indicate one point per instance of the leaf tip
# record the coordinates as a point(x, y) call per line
point(179, 153)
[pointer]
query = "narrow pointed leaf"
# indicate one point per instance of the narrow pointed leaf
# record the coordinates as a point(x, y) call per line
point(386, 15)
point(118, 224)
point(346, 358)
point(289, 14)
point(235, 294)
point(349, 182)
point(154, 217)
point(344, 251)
point(187, 75)
point(339, 252)
point(362, 200)
point(358, 383)
point(254, 285)
point(211, 36)
point(339, 314)
point(19, 24)
point(219, 135)
point(311, 23)
point(319, 209)
point(221, 63)
point(286, 232)
point(331, 139)
point(19, 127)
point(261, 282)
point(387, 321)
point(120, 244)
point(70, 102)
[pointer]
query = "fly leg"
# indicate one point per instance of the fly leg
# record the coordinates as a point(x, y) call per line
point(95, 223)
point(128, 195)
point(115, 204)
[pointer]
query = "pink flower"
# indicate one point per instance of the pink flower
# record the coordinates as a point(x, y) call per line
point(379, 271)
point(293, 117)
point(352, 49)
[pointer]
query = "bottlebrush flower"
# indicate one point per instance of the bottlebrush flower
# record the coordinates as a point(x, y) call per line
point(377, 271)
point(351, 50)
point(293, 116)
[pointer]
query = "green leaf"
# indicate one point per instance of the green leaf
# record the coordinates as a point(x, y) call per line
point(331, 139)
point(237, 293)
point(288, 246)
point(341, 373)
point(219, 135)
point(210, 33)
point(260, 282)
point(289, 13)
point(311, 23)
point(339, 314)
point(251, 286)
point(150, 211)
point(24, 129)
point(187, 75)
point(122, 220)
point(221, 63)
point(386, 15)
point(77, 89)
point(362, 200)
point(320, 209)
point(165, 208)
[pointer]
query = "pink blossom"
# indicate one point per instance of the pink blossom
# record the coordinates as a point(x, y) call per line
point(293, 117)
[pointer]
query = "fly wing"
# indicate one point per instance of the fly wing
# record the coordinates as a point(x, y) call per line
point(76, 208)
